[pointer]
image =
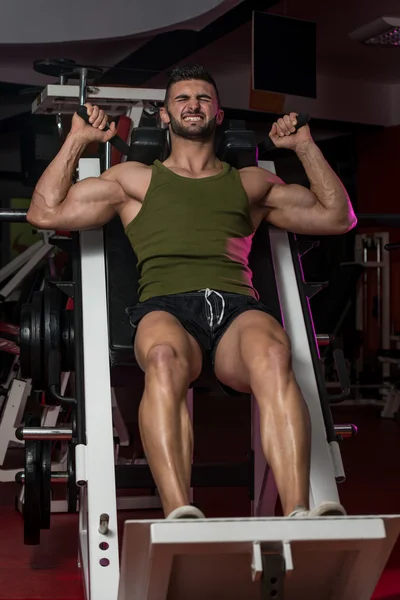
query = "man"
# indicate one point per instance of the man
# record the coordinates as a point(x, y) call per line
point(190, 221)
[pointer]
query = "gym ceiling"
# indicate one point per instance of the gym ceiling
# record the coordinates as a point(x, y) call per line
point(140, 41)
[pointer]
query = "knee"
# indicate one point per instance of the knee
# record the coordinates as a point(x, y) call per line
point(279, 354)
point(275, 360)
point(165, 358)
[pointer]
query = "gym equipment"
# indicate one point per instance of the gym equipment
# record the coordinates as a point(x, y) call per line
point(46, 329)
point(17, 391)
point(341, 557)
point(391, 408)
point(26, 262)
point(38, 476)
point(373, 315)
point(369, 252)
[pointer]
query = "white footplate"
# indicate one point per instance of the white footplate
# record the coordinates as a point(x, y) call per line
point(334, 558)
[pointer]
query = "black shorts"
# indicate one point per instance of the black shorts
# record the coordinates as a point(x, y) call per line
point(205, 314)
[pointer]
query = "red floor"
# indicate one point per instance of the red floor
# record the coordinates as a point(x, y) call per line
point(372, 464)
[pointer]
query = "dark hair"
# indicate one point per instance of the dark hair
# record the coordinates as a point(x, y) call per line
point(188, 72)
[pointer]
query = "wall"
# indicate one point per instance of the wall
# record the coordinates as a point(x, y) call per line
point(338, 99)
point(378, 192)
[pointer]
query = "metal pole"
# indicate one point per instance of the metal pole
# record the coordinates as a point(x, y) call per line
point(83, 86)
point(107, 156)
point(78, 317)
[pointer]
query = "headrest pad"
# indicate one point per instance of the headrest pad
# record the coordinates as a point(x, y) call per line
point(148, 144)
point(238, 147)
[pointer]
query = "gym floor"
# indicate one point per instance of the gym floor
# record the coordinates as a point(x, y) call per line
point(49, 571)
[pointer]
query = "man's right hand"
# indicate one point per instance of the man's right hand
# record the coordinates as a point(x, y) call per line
point(98, 119)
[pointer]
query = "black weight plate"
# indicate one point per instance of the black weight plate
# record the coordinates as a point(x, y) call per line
point(32, 493)
point(36, 341)
point(74, 440)
point(25, 340)
point(45, 511)
point(54, 67)
point(67, 340)
point(72, 489)
point(51, 327)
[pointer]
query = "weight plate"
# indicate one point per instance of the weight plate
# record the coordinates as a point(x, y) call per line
point(67, 340)
point(25, 340)
point(72, 489)
point(54, 67)
point(51, 329)
point(74, 440)
point(45, 510)
point(36, 341)
point(32, 493)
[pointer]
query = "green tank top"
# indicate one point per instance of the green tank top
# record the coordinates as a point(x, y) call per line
point(192, 234)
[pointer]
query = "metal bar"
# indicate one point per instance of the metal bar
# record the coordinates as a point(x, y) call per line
point(99, 463)
point(273, 577)
point(107, 161)
point(16, 280)
point(64, 99)
point(323, 339)
point(12, 215)
point(60, 477)
point(298, 326)
point(386, 316)
point(82, 86)
point(44, 433)
point(104, 522)
point(378, 280)
point(19, 261)
point(346, 431)
point(392, 246)
point(56, 477)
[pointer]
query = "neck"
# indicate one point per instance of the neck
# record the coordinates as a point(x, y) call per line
point(194, 156)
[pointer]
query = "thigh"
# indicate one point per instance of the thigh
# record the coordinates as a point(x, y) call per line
point(161, 328)
point(245, 345)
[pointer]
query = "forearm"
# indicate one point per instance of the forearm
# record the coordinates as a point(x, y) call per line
point(324, 183)
point(55, 183)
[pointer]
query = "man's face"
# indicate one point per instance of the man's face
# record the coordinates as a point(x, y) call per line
point(193, 110)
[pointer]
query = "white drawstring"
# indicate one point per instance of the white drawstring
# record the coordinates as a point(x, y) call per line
point(207, 294)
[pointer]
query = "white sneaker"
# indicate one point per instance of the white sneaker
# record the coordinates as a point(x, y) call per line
point(325, 509)
point(186, 512)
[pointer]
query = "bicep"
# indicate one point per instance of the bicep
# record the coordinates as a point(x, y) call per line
point(295, 208)
point(89, 204)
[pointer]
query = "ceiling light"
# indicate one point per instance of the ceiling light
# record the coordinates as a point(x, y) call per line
point(385, 31)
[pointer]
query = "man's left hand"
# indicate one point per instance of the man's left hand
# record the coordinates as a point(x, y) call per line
point(284, 135)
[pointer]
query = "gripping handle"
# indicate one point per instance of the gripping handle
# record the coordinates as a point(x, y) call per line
point(116, 141)
point(267, 144)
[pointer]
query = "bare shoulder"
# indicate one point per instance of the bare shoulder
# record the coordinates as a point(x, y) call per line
point(128, 174)
point(257, 182)
point(133, 177)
